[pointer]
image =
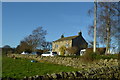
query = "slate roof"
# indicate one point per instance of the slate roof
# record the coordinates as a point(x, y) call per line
point(66, 38)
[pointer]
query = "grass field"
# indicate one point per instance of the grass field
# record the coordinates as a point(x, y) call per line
point(18, 68)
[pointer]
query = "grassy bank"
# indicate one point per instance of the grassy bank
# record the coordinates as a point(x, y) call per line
point(18, 68)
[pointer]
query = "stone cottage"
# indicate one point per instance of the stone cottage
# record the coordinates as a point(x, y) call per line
point(72, 41)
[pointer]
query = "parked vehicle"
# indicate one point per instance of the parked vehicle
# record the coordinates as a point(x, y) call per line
point(36, 53)
point(49, 53)
point(82, 52)
point(24, 52)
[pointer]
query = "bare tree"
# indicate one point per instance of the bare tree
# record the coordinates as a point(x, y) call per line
point(91, 44)
point(37, 38)
point(107, 21)
point(47, 45)
point(23, 47)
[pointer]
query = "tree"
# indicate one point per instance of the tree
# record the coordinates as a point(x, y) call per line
point(7, 49)
point(107, 21)
point(23, 47)
point(6, 46)
point(62, 50)
point(91, 44)
point(36, 39)
point(47, 45)
point(72, 50)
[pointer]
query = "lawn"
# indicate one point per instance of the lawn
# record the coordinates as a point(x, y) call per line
point(18, 68)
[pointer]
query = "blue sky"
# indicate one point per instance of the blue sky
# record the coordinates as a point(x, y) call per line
point(19, 19)
point(0, 24)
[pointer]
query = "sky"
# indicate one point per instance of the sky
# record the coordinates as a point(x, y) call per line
point(0, 24)
point(19, 19)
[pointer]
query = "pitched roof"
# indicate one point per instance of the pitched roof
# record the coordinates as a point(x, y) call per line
point(66, 38)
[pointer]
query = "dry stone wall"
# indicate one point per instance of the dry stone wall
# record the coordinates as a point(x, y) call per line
point(104, 73)
point(113, 73)
point(68, 61)
point(102, 69)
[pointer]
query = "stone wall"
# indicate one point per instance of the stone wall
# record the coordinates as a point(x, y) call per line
point(102, 69)
point(68, 61)
point(104, 73)
point(100, 73)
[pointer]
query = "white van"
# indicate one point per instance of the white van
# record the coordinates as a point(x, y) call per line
point(49, 53)
point(82, 52)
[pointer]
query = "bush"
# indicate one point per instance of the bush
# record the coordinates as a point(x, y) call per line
point(72, 50)
point(90, 56)
point(61, 56)
point(62, 50)
point(93, 56)
point(113, 56)
point(99, 50)
point(71, 56)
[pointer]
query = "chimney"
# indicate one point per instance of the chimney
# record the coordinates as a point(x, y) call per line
point(62, 36)
point(80, 33)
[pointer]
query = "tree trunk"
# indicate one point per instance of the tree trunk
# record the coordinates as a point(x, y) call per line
point(108, 40)
point(95, 21)
point(108, 33)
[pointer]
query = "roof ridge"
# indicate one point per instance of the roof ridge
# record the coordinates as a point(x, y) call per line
point(66, 38)
point(70, 36)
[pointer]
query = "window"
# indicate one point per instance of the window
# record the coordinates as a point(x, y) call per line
point(56, 46)
point(47, 53)
point(54, 53)
point(67, 45)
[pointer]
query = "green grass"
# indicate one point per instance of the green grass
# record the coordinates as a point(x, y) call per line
point(18, 68)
